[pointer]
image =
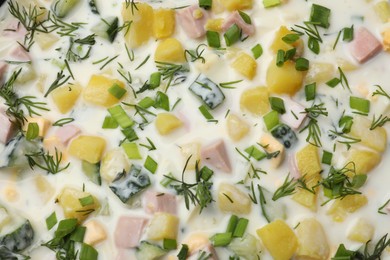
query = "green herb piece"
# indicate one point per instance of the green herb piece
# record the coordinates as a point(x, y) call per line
point(240, 228)
point(280, 58)
point(155, 80)
point(229, 84)
point(286, 189)
point(150, 146)
point(167, 180)
point(58, 82)
point(314, 131)
point(380, 91)
point(78, 234)
point(162, 101)
point(143, 62)
point(197, 53)
point(277, 104)
point(150, 164)
point(333, 82)
point(146, 102)
point(271, 3)
point(131, 150)
point(290, 38)
point(381, 121)
point(121, 117)
point(320, 15)
point(32, 131)
point(170, 70)
point(183, 253)
point(252, 151)
point(206, 4)
point(232, 35)
point(232, 224)
point(109, 123)
point(221, 239)
point(347, 140)
point(87, 252)
point(359, 104)
point(85, 201)
point(310, 91)
point(302, 64)
point(205, 112)
point(51, 220)
point(380, 209)
point(327, 157)
point(213, 39)
point(310, 29)
point(169, 244)
point(247, 19)
point(130, 134)
point(346, 123)
point(271, 120)
point(117, 91)
point(46, 161)
point(348, 34)
point(257, 51)
point(63, 121)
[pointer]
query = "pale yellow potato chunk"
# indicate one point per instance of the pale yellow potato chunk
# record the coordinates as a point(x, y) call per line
point(364, 160)
point(87, 148)
point(163, 23)
point(233, 200)
point(245, 65)
point(65, 97)
point(349, 204)
point(97, 93)
point(362, 231)
point(255, 100)
point(163, 225)
point(232, 5)
point(236, 127)
point(169, 50)
point(166, 123)
point(285, 79)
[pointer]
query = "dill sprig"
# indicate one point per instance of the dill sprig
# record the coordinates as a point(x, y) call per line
point(286, 189)
point(379, 122)
point(197, 193)
point(345, 139)
point(60, 27)
point(58, 82)
point(314, 131)
point(380, 91)
point(132, 4)
point(46, 161)
point(310, 29)
point(170, 70)
point(196, 54)
point(75, 51)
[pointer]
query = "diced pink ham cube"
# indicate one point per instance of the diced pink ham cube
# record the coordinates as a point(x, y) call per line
point(15, 30)
point(20, 54)
point(7, 128)
point(235, 18)
point(293, 168)
point(129, 231)
point(209, 251)
point(3, 69)
point(159, 202)
point(67, 132)
point(293, 116)
point(125, 254)
point(216, 155)
point(364, 45)
point(193, 25)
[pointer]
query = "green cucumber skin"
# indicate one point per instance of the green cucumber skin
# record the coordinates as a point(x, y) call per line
point(61, 8)
point(19, 239)
point(6, 254)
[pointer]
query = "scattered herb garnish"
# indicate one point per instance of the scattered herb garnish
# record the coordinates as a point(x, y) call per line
point(314, 131)
point(46, 161)
point(58, 82)
point(196, 54)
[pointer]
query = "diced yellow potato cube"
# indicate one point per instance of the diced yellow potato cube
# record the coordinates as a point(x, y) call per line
point(255, 100)
point(196, 241)
point(141, 28)
point(382, 9)
point(279, 44)
point(233, 200)
point(273, 146)
point(364, 160)
point(65, 97)
point(320, 72)
point(11, 193)
point(312, 239)
point(214, 24)
point(245, 65)
point(87, 148)
point(308, 161)
point(113, 162)
point(166, 123)
point(163, 225)
point(169, 50)
point(69, 200)
point(97, 92)
point(279, 239)
point(45, 40)
point(306, 198)
point(375, 139)
point(43, 125)
point(95, 232)
point(285, 79)
point(346, 65)
point(163, 23)
point(349, 204)
point(232, 5)
point(236, 127)
point(386, 39)
point(191, 150)
point(362, 231)
point(44, 187)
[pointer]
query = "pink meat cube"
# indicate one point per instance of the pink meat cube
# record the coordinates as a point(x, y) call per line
point(15, 30)
point(3, 69)
point(235, 18)
point(293, 168)
point(129, 231)
point(293, 116)
point(216, 155)
point(191, 23)
point(67, 132)
point(20, 54)
point(364, 45)
point(7, 128)
point(159, 202)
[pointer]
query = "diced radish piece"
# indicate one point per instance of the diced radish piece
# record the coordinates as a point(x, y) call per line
point(7, 128)
point(216, 155)
point(293, 116)
point(364, 45)
point(159, 202)
point(67, 132)
point(235, 18)
point(193, 20)
point(129, 231)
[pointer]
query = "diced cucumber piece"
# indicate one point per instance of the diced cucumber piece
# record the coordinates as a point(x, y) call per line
point(92, 5)
point(127, 185)
point(284, 134)
point(19, 239)
point(107, 28)
point(148, 251)
point(247, 247)
point(270, 209)
point(61, 8)
point(14, 152)
point(208, 91)
point(92, 171)
point(6, 254)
